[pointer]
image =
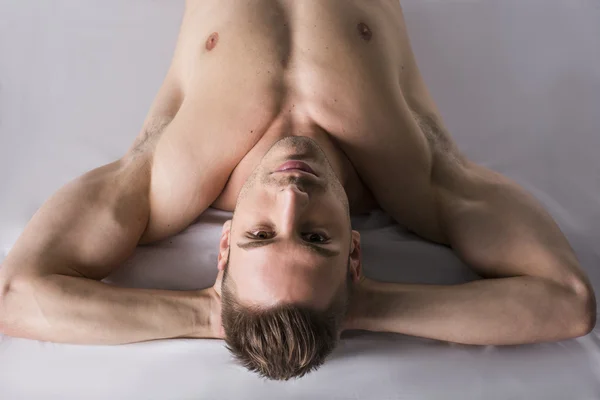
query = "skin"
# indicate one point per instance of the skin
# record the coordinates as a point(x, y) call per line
point(250, 85)
point(292, 214)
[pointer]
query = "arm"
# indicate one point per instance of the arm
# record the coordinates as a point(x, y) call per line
point(67, 309)
point(48, 282)
point(49, 287)
point(536, 291)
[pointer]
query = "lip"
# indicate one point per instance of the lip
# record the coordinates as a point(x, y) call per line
point(295, 165)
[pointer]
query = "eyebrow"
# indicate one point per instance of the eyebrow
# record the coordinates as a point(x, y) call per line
point(322, 251)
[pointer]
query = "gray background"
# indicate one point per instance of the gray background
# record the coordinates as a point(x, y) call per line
point(518, 84)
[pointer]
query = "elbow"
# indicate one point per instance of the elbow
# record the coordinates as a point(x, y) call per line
point(4, 287)
point(9, 303)
point(583, 309)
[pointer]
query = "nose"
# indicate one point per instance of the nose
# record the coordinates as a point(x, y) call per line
point(294, 202)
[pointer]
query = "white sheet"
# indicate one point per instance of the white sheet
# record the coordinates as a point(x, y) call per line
point(518, 84)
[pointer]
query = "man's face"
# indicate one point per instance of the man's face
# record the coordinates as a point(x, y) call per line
point(290, 238)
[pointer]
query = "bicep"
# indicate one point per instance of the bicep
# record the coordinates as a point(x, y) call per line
point(499, 229)
point(88, 227)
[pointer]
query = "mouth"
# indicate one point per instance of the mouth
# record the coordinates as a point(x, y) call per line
point(296, 166)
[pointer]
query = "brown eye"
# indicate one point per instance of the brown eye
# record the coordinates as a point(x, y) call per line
point(261, 235)
point(315, 238)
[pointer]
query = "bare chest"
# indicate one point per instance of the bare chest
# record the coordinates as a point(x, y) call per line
point(255, 72)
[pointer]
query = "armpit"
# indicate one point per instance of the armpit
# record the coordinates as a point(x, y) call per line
point(445, 153)
point(149, 136)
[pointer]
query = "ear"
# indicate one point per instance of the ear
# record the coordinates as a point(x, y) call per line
point(355, 257)
point(224, 245)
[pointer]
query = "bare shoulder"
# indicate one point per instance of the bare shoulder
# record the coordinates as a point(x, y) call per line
point(486, 217)
point(185, 174)
point(396, 165)
point(417, 168)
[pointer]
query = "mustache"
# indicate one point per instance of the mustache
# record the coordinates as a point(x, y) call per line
point(303, 182)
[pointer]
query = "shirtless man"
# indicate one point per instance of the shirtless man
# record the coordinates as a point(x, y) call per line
point(293, 114)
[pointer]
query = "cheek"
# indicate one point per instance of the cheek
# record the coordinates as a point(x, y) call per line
point(340, 194)
point(253, 205)
point(252, 197)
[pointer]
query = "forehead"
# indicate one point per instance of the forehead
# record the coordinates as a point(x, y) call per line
point(283, 272)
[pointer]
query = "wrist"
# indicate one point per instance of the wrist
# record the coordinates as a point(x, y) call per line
point(202, 303)
point(361, 310)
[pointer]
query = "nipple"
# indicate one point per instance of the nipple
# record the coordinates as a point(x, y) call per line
point(212, 40)
point(364, 31)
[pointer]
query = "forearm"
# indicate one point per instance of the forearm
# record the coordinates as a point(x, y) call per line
point(488, 312)
point(67, 309)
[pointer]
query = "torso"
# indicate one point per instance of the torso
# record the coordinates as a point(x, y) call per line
point(246, 74)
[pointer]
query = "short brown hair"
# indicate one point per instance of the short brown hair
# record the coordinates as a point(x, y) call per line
point(284, 341)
